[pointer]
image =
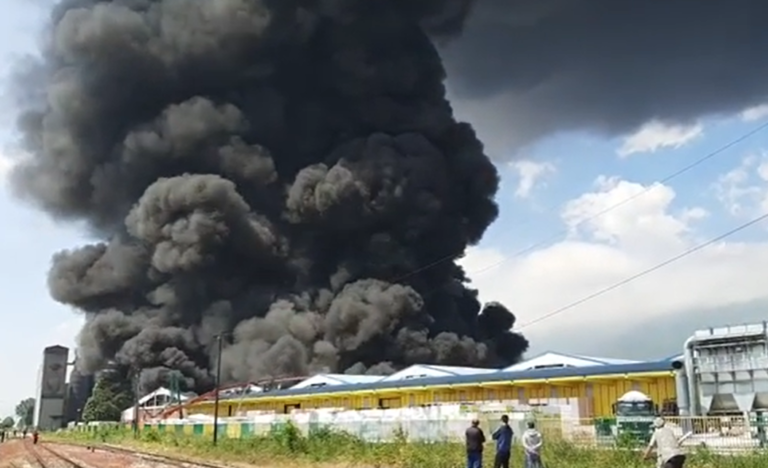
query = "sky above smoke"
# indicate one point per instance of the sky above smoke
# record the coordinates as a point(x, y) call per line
point(525, 69)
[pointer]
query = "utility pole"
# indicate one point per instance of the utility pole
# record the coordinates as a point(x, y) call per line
point(136, 373)
point(216, 394)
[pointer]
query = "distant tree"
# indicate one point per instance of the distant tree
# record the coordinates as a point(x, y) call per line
point(7, 423)
point(111, 395)
point(25, 411)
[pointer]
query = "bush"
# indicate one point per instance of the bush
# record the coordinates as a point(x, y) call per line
point(287, 446)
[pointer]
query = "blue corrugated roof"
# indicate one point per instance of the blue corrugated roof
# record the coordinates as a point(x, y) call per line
point(500, 376)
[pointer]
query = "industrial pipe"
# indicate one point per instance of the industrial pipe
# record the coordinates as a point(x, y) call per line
point(694, 408)
point(681, 389)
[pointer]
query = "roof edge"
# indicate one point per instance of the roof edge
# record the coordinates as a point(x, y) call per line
point(501, 376)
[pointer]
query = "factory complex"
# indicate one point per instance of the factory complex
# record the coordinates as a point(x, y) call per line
point(594, 384)
point(720, 371)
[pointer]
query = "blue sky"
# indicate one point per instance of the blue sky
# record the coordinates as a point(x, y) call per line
point(557, 185)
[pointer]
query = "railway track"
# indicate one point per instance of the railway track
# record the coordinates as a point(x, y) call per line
point(152, 457)
point(35, 449)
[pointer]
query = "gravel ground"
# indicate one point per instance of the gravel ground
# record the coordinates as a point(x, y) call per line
point(16, 454)
point(13, 453)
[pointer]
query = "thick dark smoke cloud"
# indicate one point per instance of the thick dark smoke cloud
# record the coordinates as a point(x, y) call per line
point(524, 69)
point(269, 168)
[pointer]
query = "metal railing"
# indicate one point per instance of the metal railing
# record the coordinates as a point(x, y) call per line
point(716, 434)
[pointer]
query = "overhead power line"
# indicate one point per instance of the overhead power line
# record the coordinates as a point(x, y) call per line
point(610, 208)
point(643, 273)
point(619, 204)
point(560, 233)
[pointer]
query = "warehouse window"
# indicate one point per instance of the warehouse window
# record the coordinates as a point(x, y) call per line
point(411, 400)
point(366, 402)
point(436, 398)
point(550, 366)
point(553, 393)
point(462, 396)
point(491, 395)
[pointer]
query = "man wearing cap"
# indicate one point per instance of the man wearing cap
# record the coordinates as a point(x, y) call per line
point(667, 446)
point(475, 441)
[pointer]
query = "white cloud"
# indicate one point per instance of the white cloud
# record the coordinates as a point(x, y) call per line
point(755, 113)
point(656, 135)
point(607, 249)
point(530, 174)
point(6, 164)
point(743, 191)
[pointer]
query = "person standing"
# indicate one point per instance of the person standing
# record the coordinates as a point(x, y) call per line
point(503, 437)
point(532, 442)
point(475, 439)
point(667, 445)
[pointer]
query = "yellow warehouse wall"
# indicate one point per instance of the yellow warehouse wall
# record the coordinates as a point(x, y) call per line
point(597, 395)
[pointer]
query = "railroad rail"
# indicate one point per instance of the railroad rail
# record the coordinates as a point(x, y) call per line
point(148, 456)
point(34, 450)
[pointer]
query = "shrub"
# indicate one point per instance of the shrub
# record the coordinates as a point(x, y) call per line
point(285, 445)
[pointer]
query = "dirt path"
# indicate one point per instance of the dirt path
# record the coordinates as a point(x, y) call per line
point(13, 455)
point(21, 454)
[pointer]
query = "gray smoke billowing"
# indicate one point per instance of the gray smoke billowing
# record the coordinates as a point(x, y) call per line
point(524, 69)
point(275, 169)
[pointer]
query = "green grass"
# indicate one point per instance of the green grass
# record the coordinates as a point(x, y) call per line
point(289, 448)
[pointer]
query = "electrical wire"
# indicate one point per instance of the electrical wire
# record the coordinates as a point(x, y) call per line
point(645, 272)
point(610, 208)
point(619, 204)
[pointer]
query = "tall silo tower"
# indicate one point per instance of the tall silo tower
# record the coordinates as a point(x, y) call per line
point(51, 388)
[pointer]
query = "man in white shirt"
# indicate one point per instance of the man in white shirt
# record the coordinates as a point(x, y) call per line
point(667, 446)
point(532, 442)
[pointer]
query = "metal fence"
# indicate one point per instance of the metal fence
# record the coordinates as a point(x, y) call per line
point(717, 434)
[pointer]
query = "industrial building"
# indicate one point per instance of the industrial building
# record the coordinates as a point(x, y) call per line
point(79, 390)
point(51, 395)
point(720, 371)
point(725, 371)
point(150, 406)
point(594, 383)
point(58, 401)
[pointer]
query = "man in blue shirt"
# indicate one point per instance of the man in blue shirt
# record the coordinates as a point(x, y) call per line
point(503, 437)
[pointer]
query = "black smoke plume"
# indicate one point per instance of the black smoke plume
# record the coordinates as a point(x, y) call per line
point(524, 69)
point(276, 169)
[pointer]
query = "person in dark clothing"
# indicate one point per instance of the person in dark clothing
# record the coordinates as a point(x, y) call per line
point(475, 441)
point(503, 437)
